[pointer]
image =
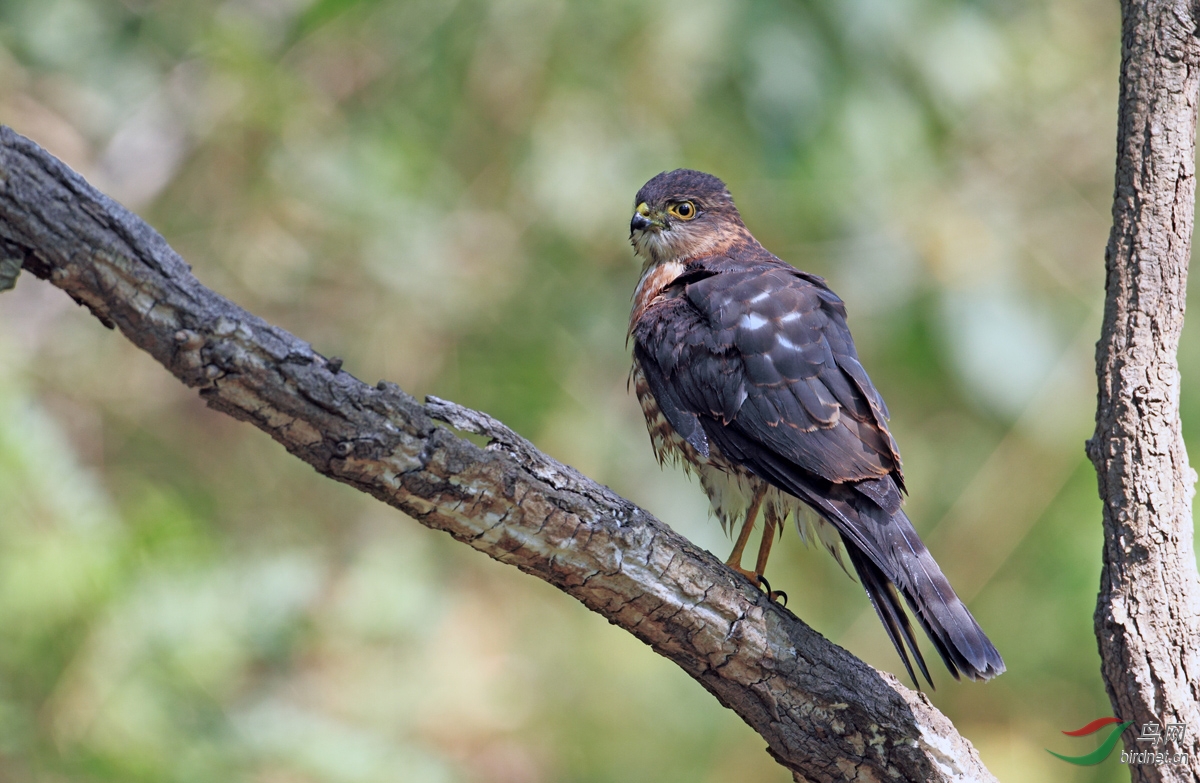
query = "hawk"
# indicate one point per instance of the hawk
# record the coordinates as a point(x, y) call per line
point(747, 375)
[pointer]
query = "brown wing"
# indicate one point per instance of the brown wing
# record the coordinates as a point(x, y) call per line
point(759, 362)
point(767, 352)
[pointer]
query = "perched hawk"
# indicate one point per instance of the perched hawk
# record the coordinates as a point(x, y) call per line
point(747, 373)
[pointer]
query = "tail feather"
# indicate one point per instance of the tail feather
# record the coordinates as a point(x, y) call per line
point(889, 550)
point(891, 614)
point(954, 631)
point(889, 556)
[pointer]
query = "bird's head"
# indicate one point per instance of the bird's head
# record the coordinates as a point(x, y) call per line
point(683, 214)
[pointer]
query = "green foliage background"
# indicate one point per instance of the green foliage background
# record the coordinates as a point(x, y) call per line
point(439, 191)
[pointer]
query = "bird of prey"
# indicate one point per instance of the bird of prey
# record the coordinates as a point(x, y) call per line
point(747, 375)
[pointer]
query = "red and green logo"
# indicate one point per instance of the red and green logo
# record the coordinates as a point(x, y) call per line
point(1106, 747)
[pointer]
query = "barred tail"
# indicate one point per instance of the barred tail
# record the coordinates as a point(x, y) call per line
point(889, 557)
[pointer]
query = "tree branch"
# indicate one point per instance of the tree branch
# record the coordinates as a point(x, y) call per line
point(824, 714)
point(1148, 612)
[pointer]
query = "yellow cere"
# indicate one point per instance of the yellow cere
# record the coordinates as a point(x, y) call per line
point(643, 209)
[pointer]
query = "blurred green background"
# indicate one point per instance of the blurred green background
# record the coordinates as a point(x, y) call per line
point(439, 192)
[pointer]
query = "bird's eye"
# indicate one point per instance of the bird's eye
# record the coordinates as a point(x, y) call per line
point(684, 210)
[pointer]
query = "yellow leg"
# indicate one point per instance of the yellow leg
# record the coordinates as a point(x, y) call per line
point(768, 538)
point(770, 523)
point(735, 557)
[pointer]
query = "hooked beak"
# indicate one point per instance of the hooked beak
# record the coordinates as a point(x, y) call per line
point(644, 219)
point(639, 222)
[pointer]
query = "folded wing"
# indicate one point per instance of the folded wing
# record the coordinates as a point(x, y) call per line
point(760, 363)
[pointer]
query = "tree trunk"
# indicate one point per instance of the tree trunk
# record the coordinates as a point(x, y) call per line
point(1148, 612)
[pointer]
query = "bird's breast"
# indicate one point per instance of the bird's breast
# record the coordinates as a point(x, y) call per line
point(655, 278)
point(668, 445)
point(730, 488)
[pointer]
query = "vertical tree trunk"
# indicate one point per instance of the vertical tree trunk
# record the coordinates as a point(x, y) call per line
point(1148, 613)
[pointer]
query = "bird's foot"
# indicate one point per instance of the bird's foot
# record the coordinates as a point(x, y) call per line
point(760, 581)
point(772, 595)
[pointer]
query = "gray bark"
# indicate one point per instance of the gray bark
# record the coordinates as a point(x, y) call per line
point(1148, 612)
point(824, 714)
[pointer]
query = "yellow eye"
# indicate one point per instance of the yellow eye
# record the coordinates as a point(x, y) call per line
point(684, 210)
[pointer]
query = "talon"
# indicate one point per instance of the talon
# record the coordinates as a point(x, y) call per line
point(772, 595)
point(760, 581)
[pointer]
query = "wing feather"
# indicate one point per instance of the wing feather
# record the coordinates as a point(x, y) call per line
point(784, 338)
point(759, 363)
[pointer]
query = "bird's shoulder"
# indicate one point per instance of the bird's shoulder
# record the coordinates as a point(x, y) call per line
point(764, 347)
point(745, 299)
point(727, 288)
